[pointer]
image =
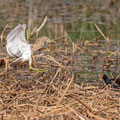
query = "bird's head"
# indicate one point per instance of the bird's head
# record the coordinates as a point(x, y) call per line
point(104, 76)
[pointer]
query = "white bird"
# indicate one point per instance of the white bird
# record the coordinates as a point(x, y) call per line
point(17, 44)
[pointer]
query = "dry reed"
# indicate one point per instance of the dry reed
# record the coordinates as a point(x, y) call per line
point(53, 94)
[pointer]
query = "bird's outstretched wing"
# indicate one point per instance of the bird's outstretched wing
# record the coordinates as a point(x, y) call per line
point(16, 40)
point(18, 29)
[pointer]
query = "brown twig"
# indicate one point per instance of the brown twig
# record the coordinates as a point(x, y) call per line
point(106, 38)
point(58, 103)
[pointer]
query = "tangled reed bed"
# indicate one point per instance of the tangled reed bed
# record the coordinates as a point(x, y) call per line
point(33, 99)
point(52, 93)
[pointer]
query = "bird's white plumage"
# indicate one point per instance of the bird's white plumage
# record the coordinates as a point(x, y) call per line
point(17, 44)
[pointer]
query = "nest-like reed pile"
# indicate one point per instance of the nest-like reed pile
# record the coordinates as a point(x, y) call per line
point(50, 93)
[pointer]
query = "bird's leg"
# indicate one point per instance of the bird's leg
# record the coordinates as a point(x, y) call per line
point(37, 70)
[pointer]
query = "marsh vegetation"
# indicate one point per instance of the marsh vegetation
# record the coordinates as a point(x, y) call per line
point(66, 83)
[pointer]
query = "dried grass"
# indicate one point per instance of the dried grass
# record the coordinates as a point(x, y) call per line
point(36, 100)
point(53, 94)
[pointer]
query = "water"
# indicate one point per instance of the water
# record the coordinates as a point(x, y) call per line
point(72, 16)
